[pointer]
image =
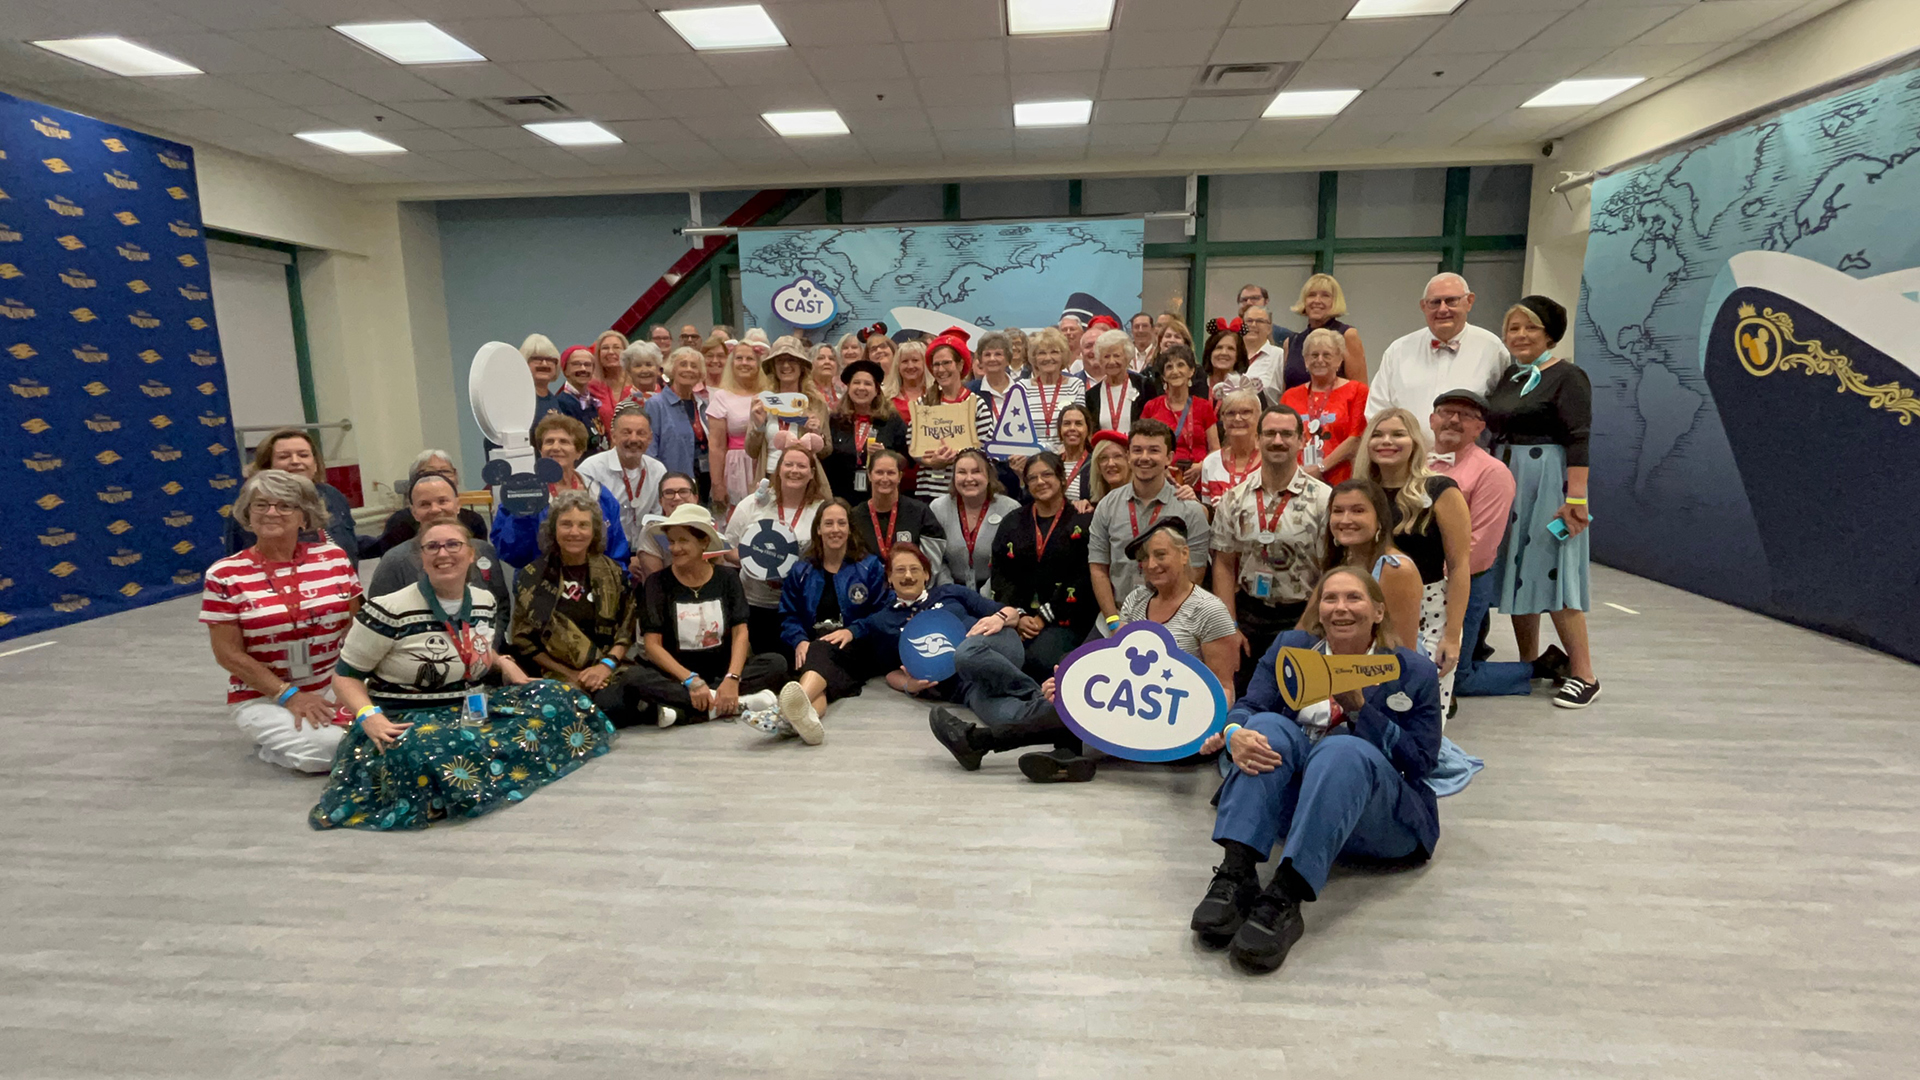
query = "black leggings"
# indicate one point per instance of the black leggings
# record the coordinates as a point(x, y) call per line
point(846, 669)
point(630, 697)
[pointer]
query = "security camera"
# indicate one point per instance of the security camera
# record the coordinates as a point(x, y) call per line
point(1550, 148)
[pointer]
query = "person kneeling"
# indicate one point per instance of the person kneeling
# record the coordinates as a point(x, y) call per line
point(1342, 776)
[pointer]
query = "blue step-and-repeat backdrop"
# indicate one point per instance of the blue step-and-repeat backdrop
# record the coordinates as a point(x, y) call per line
point(119, 451)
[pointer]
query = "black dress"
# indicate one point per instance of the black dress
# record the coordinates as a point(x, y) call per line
point(845, 463)
point(1040, 565)
point(1424, 545)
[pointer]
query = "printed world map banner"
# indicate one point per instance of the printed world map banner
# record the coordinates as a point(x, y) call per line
point(119, 456)
point(989, 274)
point(1750, 317)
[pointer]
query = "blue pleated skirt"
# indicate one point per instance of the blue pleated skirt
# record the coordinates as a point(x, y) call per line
point(1539, 573)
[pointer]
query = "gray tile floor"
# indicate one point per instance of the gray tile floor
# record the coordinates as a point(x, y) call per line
point(1715, 871)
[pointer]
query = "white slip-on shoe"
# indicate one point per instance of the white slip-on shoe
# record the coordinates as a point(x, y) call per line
point(666, 717)
point(799, 712)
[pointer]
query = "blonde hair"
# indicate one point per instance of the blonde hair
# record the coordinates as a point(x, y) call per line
point(615, 335)
point(1339, 307)
point(1097, 482)
point(892, 388)
point(1384, 635)
point(731, 382)
point(539, 345)
point(1413, 502)
point(1048, 338)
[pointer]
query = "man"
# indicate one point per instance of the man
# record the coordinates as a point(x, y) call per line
point(1128, 511)
point(1084, 363)
point(433, 499)
point(1459, 416)
point(677, 489)
point(679, 428)
point(1447, 355)
point(1257, 294)
point(627, 471)
point(662, 338)
point(1265, 360)
point(690, 336)
point(1142, 329)
point(1071, 328)
point(888, 517)
point(543, 363)
point(1269, 538)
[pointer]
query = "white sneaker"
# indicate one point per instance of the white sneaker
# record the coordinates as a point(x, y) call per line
point(799, 712)
point(666, 717)
point(759, 699)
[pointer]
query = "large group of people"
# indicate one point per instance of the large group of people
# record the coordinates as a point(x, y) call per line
point(740, 530)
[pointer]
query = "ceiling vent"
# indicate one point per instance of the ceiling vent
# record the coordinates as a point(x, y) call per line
point(1234, 80)
point(525, 110)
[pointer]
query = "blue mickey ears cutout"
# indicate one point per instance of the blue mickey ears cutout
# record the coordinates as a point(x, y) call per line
point(497, 471)
point(522, 493)
point(1139, 663)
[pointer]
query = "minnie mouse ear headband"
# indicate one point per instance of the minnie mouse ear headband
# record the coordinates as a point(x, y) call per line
point(878, 329)
point(1107, 435)
point(956, 339)
point(1232, 326)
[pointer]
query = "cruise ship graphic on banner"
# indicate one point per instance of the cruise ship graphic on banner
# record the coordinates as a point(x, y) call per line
point(1816, 375)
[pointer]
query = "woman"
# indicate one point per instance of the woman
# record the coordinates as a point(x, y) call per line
point(1358, 534)
point(786, 369)
point(852, 350)
point(573, 614)
point(864, 421)
point(906, 380)
point(1333, 408)
point(1018, 349)
point(880, 348)
point(1040, 566)
point(948, 362)
point(970, 513)
point(1540, 415)
point(1197, 619)
point(693, 632)
point(276, 613)
point(1430, 522)
point(1227, 362)
point(994, 375)
point(578, 400)
point(839, 583)
point(643, 364)
point(401, 524)
point(428, 741)
point(793, 498)
point(297, 451)
point(730, 409)
point(1173, 332)
point(1076, 455)
point(714, 353)
point(1111, 469)
point(610, 382)
point(1121, 392)
point(826, 366)
point(1050, 390)
point(1192, 419)
point(562, 440)
point(1239, 454)
point(1348, 775)
point(1322, 301)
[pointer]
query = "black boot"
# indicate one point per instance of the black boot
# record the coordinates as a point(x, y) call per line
point(953, 733)
point(1273, 924)
point(1553, 665)
point(1057, 766)
point(1224, 908)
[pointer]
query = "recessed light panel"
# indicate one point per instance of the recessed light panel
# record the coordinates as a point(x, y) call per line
point(1295, 104)
point(411, 42)
point(1052, 113)
point(118, 55)
point(799, 124)
point(573, 133)
point(352, 142)
point(1580, 92)
point(746, 26)
point(1059, 16)
point(1400, 9)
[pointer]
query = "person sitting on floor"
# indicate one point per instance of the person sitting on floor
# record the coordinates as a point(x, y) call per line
point(563, 440)
point(1040, 566)
point(839, 583)
point(1347, 775)
point(573, 613)
point(431, 498)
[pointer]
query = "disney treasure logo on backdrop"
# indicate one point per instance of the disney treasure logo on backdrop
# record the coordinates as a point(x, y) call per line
point(805, 304)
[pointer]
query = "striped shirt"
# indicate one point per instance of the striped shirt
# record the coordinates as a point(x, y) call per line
point(412, 656)
point(1044, 405)
point(321, 584)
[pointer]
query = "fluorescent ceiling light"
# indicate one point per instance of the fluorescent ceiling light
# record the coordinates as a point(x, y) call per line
point(1580, 92)
point(411, 42)
point(352, 142)
point(746, 26)
point(812, 122)
point(118, 55)
point(1058, 16)
point(1293, 104)
point(573, 133)
point(1400, 9)
point(1052, 113)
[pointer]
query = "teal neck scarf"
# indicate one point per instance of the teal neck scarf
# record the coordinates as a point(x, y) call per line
point(1531, 373)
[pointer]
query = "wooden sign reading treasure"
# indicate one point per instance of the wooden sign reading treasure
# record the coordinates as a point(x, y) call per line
point(944, 426)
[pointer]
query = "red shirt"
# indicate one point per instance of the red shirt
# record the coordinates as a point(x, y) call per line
point(240, 588)
point(1331, 419)
point(1190, 438)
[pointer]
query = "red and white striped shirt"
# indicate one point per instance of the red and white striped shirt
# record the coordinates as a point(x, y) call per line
point(321, 584)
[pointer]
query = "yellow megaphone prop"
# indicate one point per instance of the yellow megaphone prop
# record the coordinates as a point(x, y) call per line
point(1309, 675)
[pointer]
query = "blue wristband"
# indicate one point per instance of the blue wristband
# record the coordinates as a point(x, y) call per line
point(691, 679)
point(611, 663)
point(286, 695)
point(1227, 733)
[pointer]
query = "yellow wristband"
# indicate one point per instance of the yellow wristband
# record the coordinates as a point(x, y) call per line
point(368, 710)
point(1227, 732)
point(1570, 501)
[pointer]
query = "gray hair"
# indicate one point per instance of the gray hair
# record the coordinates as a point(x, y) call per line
point(422, 459)
point(1111, 338)
point(539, 345)
point(565, 502)
point(687, 350)
point(1464, 287)
point(641, 350)
point(282, 487)
point(994, 339)
point(1333, 338)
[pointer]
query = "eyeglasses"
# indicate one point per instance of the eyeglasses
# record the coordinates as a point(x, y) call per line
point(268, 506)
point(441, 547)
point(678, 492)
point(1258, 322)
point(1438, 302)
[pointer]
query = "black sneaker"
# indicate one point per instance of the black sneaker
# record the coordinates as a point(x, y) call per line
point(1273, 925)
point(1552, 665)
point(1225, 907)
point(1057, 766)
point(952, 733)
point(1576, 693)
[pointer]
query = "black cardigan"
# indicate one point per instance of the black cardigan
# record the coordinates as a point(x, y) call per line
point(1061, 579)
point(841, 462)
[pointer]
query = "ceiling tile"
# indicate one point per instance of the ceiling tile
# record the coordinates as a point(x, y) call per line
point(216, 54)
point(392, 84)
point(1374, 38)
point(237, 14)
point(1337, 141)
point(1267, 13)
point(833, 22)
point(1167, 48)
point(335, 12)
point(514, 39)
point(886, 123)
point(947, 118)
point(957, 59)
point(312, 49)
point(1207, 133)
point(451, 114)
point(1269, 44)
point(652, 131)
point(477, 80)
point(1144, 111)
point(759, 68)
point(283, 119)
point(945, 20)
point(296, 87)
point(1147, 82)
point(1341, 74)
point(1474, 32)
point(988, 91)
point(1590, 27)
point(663, 72)
point(429, 139)
point(975, 141)
point(1135, 136)
point(855, 63)
point(1439, 71)
point(1071, 52)
point(1479, 104)
point(767, 151)
point(208, 124)
point(1522, 7)
point(1646, 61)
point(464, 9)
point(893, 93)
point(1538, 67)
point(561, 7)
point(1056, 86)
point(1718, 23)
point(1031, 138)
point(1224, 108)
point(1172, 14)
point(696, 102)
point(483, 164)
point(580, 76)
point(627, 33)
point(687, 155)
point(504, 137)
point(1393, 103)
point(368, 116)
point(613, 105)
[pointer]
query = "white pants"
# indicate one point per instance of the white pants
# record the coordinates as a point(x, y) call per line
point(271, 727)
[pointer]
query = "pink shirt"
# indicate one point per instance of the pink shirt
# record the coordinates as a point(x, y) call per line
point(1488, 487)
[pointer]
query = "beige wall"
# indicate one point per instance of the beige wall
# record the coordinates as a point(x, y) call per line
point(1848, 38)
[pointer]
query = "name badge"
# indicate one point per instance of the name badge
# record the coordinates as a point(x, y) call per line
point(299, 660)
point(859, 481)
point(473, 708)
point(1262, 586)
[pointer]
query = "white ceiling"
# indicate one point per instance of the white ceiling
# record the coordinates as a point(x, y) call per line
point(927, 86)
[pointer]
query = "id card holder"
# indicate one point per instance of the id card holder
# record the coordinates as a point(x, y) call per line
point(299, 660)
point(473, 709)
point(859, 482)
point(702, 463)
point(1262, 586)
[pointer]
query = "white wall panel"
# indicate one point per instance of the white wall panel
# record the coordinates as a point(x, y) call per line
point(256, 334)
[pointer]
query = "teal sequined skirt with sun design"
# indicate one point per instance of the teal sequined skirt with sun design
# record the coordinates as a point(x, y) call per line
point(535, 734)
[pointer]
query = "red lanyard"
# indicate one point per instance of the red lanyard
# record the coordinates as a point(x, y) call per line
point(289, 596)
point(973, 534)
point(830, 393)
point(1134, 515)
point(1046, 403)
point(883, 536)
point(1268, 525)
point(1039, 539)
point(628, 484)
point(1234, 476)
point(997, 401)
point(464, 644)
point(862, 431)
point(964, 395)
point(780, 513)
point(1067, 484)
point(1114, 407)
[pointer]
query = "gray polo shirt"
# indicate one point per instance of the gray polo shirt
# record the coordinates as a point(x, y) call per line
point(1114, 527)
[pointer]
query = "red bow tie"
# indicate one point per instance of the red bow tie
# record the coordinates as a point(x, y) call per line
point(1451, 346)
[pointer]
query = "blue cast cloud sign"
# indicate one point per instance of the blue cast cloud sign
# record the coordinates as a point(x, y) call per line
point(1135, 695)
point(805, 304)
